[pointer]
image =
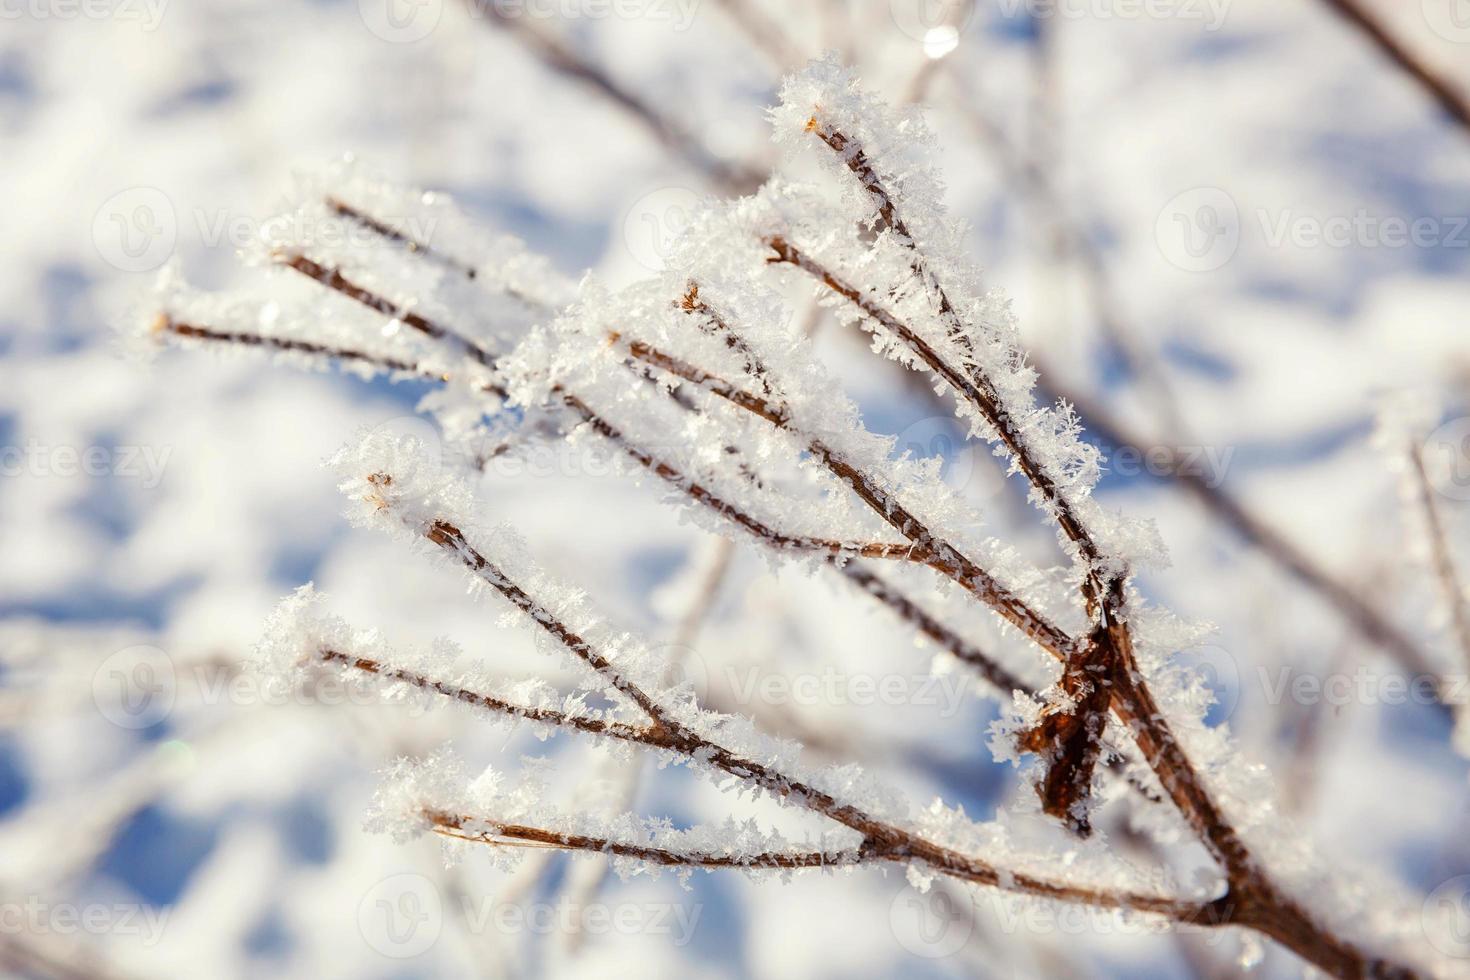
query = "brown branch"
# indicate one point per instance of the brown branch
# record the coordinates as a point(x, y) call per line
point(1366, 620)
point(334, 280)
point(733, 178)
point(969, 575)
point(1445, 94)
point(971, 385)
point(397, 237)
point(164, 323)
point(462, 827)
point(1072, 740)
point(928, 548)
point(1162, 754)
point(1218, 502)
point(1369, 622)
point(1033, 175)
point(1441, 559)
point(915, 615)
point(415, 246)
point(881, 840)
point(1067, 746)
point(1252, 901)
point(766, 33)
point(707, 498)
point(680, 737)
point(712, 323)
point(548, 716)
point(1108, 657)
point(896, 551)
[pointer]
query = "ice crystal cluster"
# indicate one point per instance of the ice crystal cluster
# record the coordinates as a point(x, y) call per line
point(703, 383)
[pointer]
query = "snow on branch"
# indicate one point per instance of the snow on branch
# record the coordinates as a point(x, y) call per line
point(938, 841)
point(700, 379)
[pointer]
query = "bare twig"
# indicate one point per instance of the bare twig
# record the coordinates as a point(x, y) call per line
point(545, 716)
point(164, 324)
point(911, 612)
point(1442, 561)
point(516, 835)
point(1450, 99)
point(392, 234)
point(735, 178)
point(927, 547)
point(334, 280)
point(765, 32)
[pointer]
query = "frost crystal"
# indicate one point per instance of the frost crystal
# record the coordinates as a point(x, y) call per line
point(703, 383)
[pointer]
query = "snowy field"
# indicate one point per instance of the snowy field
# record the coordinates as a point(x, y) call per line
point(1235, 234)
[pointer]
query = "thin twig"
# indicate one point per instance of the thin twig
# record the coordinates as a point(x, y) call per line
point(519, 835)
point(732, 177)
point(333, 279)
point(392, 234)
point(546, 716)
point(766, 33)
point(163, 324)
point(927, 547)
point(1445, 93)
point(915, 615)
point(1443, 562)
point(880, 840)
